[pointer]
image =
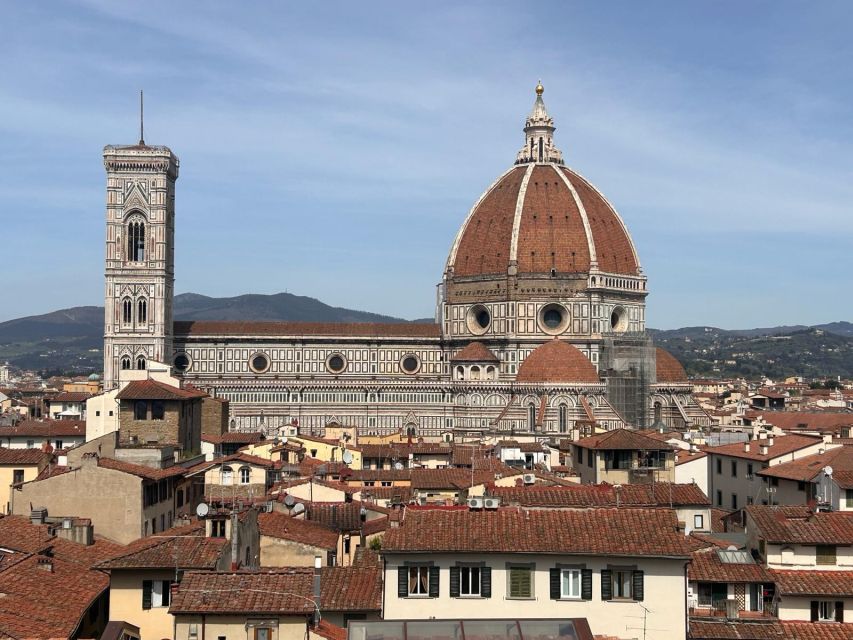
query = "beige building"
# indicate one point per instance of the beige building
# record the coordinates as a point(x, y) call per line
point(16, 467)
point(606, 565)
point(294, 542)
point(622, 456)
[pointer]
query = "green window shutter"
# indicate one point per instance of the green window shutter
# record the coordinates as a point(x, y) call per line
point(638, 586)
point(555, 583)
point(402, 582)
point(586, 584)
point(433, 582)
point(146, 594)
point(486, 582)
point(606, 584)
point(454, 582)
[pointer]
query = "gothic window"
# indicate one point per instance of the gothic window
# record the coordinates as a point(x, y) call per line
point(531, 417)
point(125, 362)
point(140, 362)
point(475, 372)
point(541, 155)
point(126, 311)
point(658, 413)
point(563, 418)
point(142, 311)
point(136, 241)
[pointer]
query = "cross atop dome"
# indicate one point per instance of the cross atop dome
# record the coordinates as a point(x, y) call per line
point(539, 134)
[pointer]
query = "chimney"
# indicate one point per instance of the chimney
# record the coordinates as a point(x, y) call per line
point(45, 564)
point(764, 450)
point(235, 556)
point(38, 515)
point(770, 441)
point(746, 447)
point(318, 563)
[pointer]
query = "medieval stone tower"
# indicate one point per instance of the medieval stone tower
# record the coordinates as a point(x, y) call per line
point(140, 257)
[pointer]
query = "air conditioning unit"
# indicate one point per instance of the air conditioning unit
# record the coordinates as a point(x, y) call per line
point(492, 503)
point(529, 478)
point(475, 503)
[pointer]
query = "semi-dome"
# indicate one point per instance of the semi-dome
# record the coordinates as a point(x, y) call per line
point(541, 217)
point(668, 368)
point(556, 361)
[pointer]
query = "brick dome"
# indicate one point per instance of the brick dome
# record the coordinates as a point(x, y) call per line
point(668, 368)
point(538, 218)
point(556, 361)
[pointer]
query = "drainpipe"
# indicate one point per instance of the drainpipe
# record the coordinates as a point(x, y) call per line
point(318, 564)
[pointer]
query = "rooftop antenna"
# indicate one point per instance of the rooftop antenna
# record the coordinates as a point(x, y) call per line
point(141, 119)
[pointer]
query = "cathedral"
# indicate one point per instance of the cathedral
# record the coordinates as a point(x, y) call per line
point(540, 320)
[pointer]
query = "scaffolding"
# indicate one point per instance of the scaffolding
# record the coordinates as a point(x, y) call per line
point(627, 362)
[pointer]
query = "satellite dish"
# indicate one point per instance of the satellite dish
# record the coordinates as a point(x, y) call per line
point(827, 470)
point(347, 457)
point(202, 509)
point(299, 508)
point(398, 466)
point(289, 501)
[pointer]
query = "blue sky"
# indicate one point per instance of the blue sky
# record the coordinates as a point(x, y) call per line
point(333, 149)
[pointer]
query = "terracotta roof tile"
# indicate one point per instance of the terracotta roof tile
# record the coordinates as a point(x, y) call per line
point(706, 566)
point(799, 524)
point(475, 352)
point(813, 583)
point(23, 456)
point(71, 396)
point(668, 368)
point(187, 544)
point(557, 361)
point(603, 495)
point(45, 429)
point(781, 446)
point(149, 473)
point(820, 421)
point(351, 588)
point(808, 468)
point(278, 591)
point(623, 439)
point(329, 631)
point(284, 527)
point(156, 390)
point(767, 630)
point(283, 329)
point(615, 532)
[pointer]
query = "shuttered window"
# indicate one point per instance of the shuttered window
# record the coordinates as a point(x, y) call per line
point(417, 580)
point(520, 581)
point(825, 554)
point(622, 583)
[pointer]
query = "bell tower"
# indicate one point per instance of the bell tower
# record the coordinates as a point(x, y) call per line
point(140, 257)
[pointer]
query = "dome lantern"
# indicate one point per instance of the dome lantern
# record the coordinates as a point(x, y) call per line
point(539, 135)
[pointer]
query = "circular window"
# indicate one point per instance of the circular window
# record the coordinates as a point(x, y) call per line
point(479, 319)
point(336, 363)
point(619, 319)
point(259, 362)
point(181, 362)
point(410, 363)
point(553, 318)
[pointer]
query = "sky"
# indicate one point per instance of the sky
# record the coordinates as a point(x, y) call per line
point(334, 149)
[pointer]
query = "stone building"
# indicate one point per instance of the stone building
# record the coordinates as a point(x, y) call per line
point(540, 319)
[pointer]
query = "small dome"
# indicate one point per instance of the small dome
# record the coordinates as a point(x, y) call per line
point(559, 362)
point(94, 378)
point(475, 352)
point(668, 368)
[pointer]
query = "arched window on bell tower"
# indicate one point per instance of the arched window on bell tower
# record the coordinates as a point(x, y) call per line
point(136, 241)
point(126, 311)
point(125, 363)
point(541, 150)
point(140, 363)
point(142, 311)
point(564, 415)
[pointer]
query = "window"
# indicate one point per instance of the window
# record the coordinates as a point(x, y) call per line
point(158, 410)
point(125, 363)
point(17, 476)
point(418, 580)
point(734, 501)
point(734, 468)
point(263, 633)
point(825, 554)
point(719, 466)
point(245, 475)
point(469, 581)
point(570, 583)
point(827, 611)
point(57, 444)
point(698, 521)
point(580, 455)
point(563, 418)
point(155, 593)
point(217, 528)
point(226, 475)
point(141, 311)
point(531, 417)
point(520, 581)
point(749, 474)
point(140, 363)
point(801, 486)
point(136, 241)
point(719, 498)
point(140, 410)
point(126, 311)
point(622, 584)
point(31, 444)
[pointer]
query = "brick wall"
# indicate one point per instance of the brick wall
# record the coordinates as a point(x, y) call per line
point(214, 416)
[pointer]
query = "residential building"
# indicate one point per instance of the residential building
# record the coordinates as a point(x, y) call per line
point(286, 541)
point(623, 456)
point(35, 434)
point(606, 565)
point(68, 405)
point(824, 478)
point(16, 467)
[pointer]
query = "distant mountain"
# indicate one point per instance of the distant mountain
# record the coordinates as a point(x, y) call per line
point(72, 339)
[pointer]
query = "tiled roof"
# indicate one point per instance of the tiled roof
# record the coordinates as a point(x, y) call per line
point(781, 446)
point(622, 439)
point(38, 602)
point(557, 361)
point(767, 630)
point(187, 546)
point(149, 473)
point(820, 421)
point(809, 467)
point(156, 390)
point(706, 566)
point(339, 516)
point(282, 329)
point(45, 429)
point(71, 396)
point(813, 583)
point(683, 456)
point(668, 368)
point(360, 475)
point(285, 527)
point(615, 532)
point(401, 450)
point(23, 456)
point(475, 352)
point(272, 592)
point(235, 437)
point(329, 631)
point(604, 495)
point(351, 588)
point(17, 532)
point(387, 493)
point(798, 524)
point(451, 478)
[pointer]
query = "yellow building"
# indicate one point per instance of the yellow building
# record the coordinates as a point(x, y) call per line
point(18, 466)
